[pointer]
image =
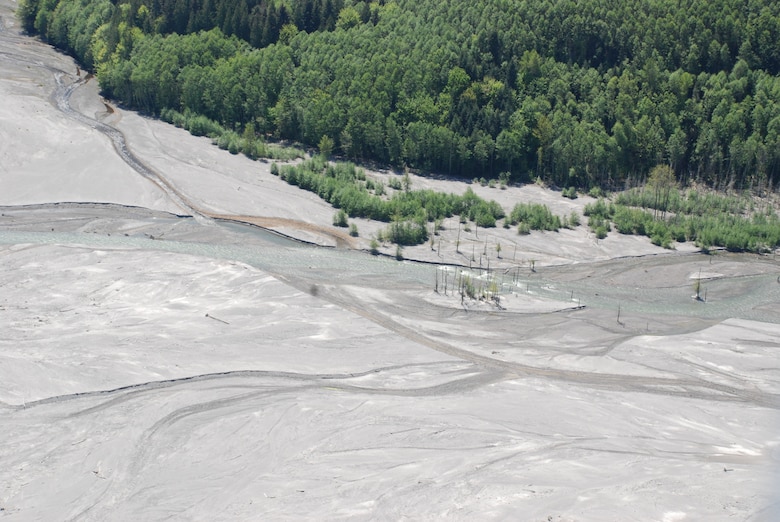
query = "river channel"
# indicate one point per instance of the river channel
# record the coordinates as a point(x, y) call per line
point(754, 295)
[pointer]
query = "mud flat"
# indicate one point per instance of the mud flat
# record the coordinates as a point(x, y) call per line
point(154, 365)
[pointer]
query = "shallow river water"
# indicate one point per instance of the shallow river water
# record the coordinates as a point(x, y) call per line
point(755, 297)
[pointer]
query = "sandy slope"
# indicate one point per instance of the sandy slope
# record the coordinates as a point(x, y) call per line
point(148, 373)
point(44, 157)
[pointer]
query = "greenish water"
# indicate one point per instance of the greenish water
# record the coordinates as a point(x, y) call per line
point(754, 297)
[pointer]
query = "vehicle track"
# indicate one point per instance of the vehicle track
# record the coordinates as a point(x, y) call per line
point(155, 385)
point(146, 446)
point(691, 387)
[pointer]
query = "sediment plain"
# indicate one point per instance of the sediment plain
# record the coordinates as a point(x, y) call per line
point(159, 359)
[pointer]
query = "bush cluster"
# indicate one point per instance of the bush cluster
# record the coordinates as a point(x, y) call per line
point(248, 143)
point(533, 216)
point(728, 226)
point(347, 188)
point(599, 214)
point(570, 193)
point(196, 124)
point(684, 202)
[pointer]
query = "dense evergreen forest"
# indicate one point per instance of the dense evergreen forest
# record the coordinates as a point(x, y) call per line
point(578, 93)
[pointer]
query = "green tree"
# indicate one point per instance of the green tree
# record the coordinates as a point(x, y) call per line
point(326, 145)
point(661, 183)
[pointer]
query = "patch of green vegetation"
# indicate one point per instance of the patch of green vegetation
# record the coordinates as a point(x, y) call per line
point(340, 219)
point(346, 187)
point(248, 143)
point(570, 193)
point(685, 201)
point(533, 216)
point(685, 217)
